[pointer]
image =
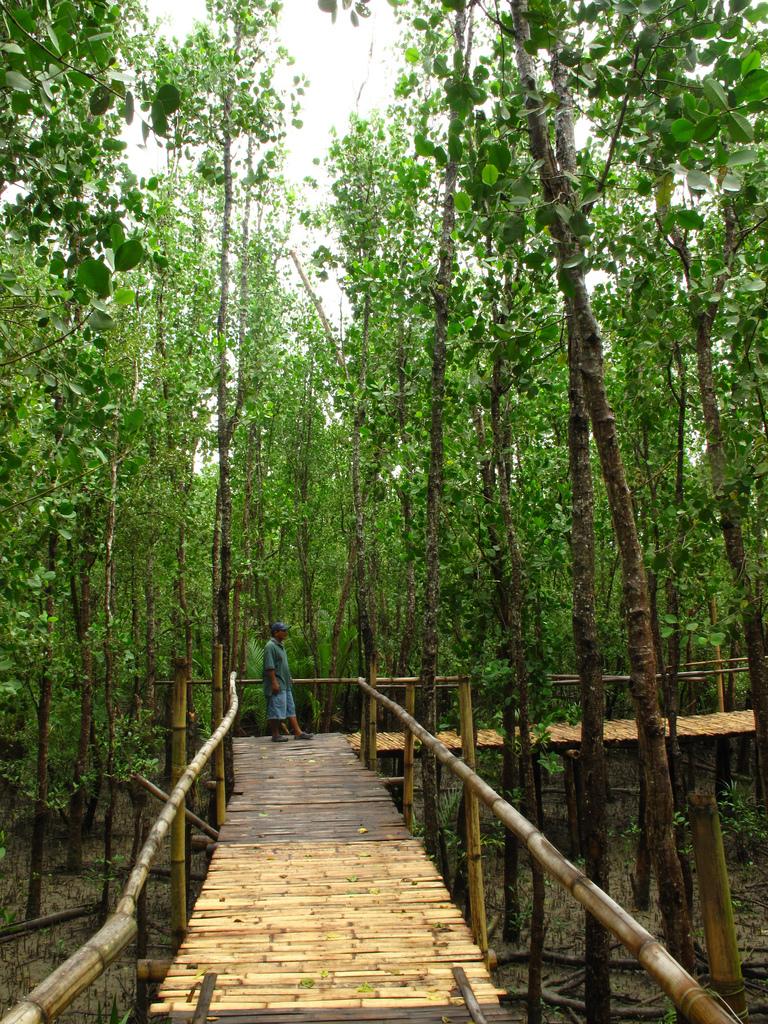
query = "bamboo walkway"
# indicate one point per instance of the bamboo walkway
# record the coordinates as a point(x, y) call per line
point(319, 906)
point(620, 732)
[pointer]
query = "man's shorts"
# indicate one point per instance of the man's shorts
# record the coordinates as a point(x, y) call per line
point(279, 705)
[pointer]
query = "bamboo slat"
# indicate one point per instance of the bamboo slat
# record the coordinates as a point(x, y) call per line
point(620, 732)
point(318, 901)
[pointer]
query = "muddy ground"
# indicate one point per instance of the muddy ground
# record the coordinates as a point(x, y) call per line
point(24, 961)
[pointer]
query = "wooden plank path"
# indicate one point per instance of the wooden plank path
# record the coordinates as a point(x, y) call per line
point(319, 906)
point(619, 732)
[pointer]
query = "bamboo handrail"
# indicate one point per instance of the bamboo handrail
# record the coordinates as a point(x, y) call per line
point(395, 682)
point(56, 992)
point(698, 1005)
point(162, 796)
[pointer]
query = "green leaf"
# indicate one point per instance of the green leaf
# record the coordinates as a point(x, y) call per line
point(499, 155)
point(574, 261)
point(714, 93)
point(124, 296)
point(168, 97)
point(412, 55)
point(647, 39)
point(739, 127)
point(698, 181)
point(100, 321)
point(114, 145)
point(750, 284)
point(741, 157)
point(100, 100)
point(753, 87)
point(689, 219)
point(707, 128)
point(455, 147)
point(95, 276)
point(129, 254)
point(490, 174)
point(423, 146)
point(159, 119)
point(513, 230)
point(732, 183)
point(17, 81)
point(750, 63)
point(133, 419)
point(462, 202)
point(682, 129)
point(129, 107)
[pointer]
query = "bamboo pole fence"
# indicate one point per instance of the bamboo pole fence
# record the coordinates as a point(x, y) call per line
point(59, 990)
point(698, 1005)
point(715, 899)
point(472, 824)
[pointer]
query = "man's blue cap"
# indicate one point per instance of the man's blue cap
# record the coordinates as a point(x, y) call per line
point(278, 625)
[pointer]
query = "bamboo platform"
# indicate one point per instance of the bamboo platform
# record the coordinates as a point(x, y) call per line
point(621, 732)
point(319, 906)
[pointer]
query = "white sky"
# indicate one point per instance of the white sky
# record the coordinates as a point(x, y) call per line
point(339, 61)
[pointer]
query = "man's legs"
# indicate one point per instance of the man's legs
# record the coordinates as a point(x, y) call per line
point(276, 712)
point(274, 730)
point(293, 722)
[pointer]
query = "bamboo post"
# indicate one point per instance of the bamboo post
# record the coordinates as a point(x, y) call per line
point(472, 819)
point(372, 712)
point(715, 899)
point(218, 714)
point(410, 707)
point(178, 829)
point(364, 701)
point(572, 803)
point(718, 658)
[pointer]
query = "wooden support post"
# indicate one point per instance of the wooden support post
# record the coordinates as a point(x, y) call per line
point(178, 828)
point(718, 658)
point(572, 804)
point(218, 714)
point(715, 899)
point(410, 707)
point(472, 818)
point(141, 1005)
point(200, 1016)
point(364, 700)
point(372, 713)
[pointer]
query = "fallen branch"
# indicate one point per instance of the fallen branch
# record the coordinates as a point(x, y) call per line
point(36, 924)
point(623, 1013)
point(569, 960)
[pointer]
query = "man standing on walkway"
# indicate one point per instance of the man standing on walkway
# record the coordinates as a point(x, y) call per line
point(278, 690)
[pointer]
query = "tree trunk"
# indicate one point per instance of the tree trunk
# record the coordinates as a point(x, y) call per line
point(442, 296)
point(82, 618)
point(366, 605)
point(109, 674)
point(150, 698)
point(558, 189)
point(597, 982)
point(516, 652)
point(338, 622)
point(730, 524)
point(224, 435)
point(41, 812)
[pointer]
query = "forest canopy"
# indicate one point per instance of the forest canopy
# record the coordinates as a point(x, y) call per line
point(535, 441)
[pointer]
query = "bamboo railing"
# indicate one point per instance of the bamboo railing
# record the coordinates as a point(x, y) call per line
point(53, 995)
point(694, 1002)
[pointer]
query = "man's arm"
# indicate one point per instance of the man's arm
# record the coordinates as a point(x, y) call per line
point(274, 681)
point(269, 668)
